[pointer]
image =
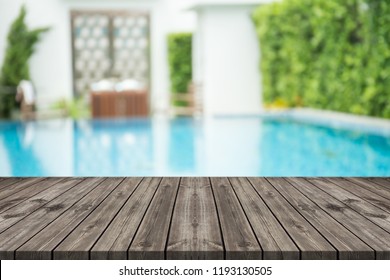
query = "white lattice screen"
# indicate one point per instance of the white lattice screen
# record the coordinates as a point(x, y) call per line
point(109, 45)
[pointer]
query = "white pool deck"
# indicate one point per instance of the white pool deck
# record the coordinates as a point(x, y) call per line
point(372, 125)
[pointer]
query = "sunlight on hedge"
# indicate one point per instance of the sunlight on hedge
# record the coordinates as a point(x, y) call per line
point(327, 54)
point(180, 61)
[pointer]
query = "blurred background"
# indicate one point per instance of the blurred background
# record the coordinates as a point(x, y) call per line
point(161, 46)
point(112, 80)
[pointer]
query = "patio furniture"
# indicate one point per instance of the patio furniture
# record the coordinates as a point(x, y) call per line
point(188, 103)
point(26, 97)
point(33, 106)
point(110, 104)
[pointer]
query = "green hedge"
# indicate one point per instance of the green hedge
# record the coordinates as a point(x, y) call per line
point(180, 61)
point(327, 54)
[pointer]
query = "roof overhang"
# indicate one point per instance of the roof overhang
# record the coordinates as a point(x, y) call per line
point(200, 5)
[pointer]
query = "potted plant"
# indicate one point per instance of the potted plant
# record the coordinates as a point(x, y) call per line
point(20, 46)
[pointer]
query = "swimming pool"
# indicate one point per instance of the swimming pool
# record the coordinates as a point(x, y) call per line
point(246, 146)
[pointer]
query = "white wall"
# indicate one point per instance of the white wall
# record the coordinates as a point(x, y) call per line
point(226, 52)
point(51, 65)
point(226, 59)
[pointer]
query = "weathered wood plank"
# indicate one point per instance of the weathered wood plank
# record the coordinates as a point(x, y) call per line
point(347, 244)
point(364, 193)
point(371, 186)
point(19, 233)
point(6, 182)
point(78, 244)
point(367, 231)
point(17, 186)
point(27, 192)
point(115, 241)
point(384, 182)
point(43, 243)
point(14, 215)
point(310, 242)
point(373, 213)
point(150, 240)
point(239, 239)
point(195, 232)
point(162, 219)
point(273, 239)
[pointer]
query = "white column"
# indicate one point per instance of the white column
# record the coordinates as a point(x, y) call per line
point(227, 59)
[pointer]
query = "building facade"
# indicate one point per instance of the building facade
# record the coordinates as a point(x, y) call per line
point(225, 51)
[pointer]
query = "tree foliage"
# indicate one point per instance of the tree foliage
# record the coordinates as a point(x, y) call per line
point(327, 54)
point(180, 61)
point(20, 46)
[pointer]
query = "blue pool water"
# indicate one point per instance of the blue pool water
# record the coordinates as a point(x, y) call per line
point(249, 146)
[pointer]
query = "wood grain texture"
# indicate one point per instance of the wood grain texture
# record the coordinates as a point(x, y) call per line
point(18, 234)
point(366, 194)
point(24, 209)
point(42, 244)
point(194, 218)
point(195, 232)
point(239, 239)
point(366, 209)
point(371, 186)
point(310, 242)
point(374, 236)
point(151, 237)
point(17, 186)
point(381, 181)
point(349, 246)
point(273, 239)
point(27, 192)
point(78, 244)
point(115, 241)
point(7, 182)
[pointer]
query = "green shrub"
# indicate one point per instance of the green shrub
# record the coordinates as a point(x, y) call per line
point(75, 108)
point(180, 61)
point(327, 54)
point(20, 47)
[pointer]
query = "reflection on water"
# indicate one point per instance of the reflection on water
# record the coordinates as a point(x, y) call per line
point(181, 138)
point(22, 136)
point(113, 148)
point(183, 146)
